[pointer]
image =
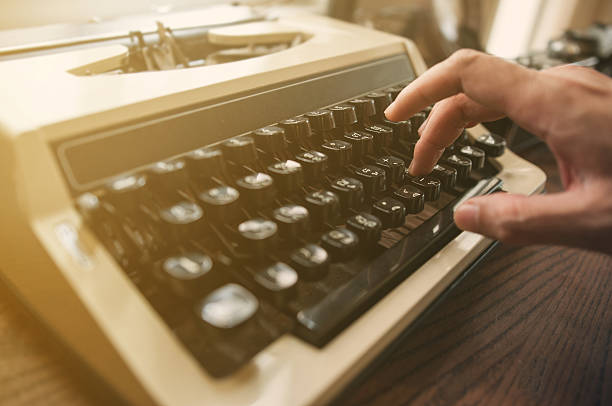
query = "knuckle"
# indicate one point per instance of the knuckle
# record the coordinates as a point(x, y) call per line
point(465, 56)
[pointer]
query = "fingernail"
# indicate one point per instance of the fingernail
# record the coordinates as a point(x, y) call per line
point(388, 109)
point(467, 216)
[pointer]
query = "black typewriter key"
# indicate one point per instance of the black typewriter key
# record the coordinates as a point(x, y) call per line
point(259, 236)
point(416, 121)
point(463, 138)
point(227, 307)
point(362, 142)
point(126, 193)
point(323, 206)
point(373, 179)
point(339, 153)
point(350, 192)
point(344, 117)
point(446, 175)
point(220, 204)
point(394, 91)
point(462, 165)
point(476, 155)
point(402, 130)
point(365, 110)
point(382, 100)
point(181, 221)
point(322, 123)
point(297, 131)
point(205, 163)
point(382, 136)
point(91, 209)
point(429, 185)
point(412, 198)
point(394, 168)
point(340, 243)
point(493, 145)
point(367, 226)
point(270, 139)
point(287, 175)
point(390, 211)
point(278, 282)
point(311, 261)
point(293, 221)
point(240, 150)
point(167, 178)
point(314, 165)
point(190, 274)
point(256, 189)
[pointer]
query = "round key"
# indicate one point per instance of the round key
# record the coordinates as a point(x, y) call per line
point(382, 134)
point(91, 208)
point(416, 121)
point(220, 204)
point(367, 227)
point(287, 175)
point(205, 163)
point(373, 179)
point(271, 139)
point(429, 185)
point(493, 145)
point(126, 193)
point(462, 165)
point(394, 91)
point(344, 117)
point(382, 100)
point(412, 198)
point(293, 221)
point(446, 175)
point(240, 150)
point(390, 211)
point(190, 274)
point(340, 243)
point(314, 165)
point(227, 307)
point(168, 177)
point(323, 206)
point(350, 192)
point(311, 261)
point(258, 236)
point(476, 155)
point(321, 121)
point(257, 189)
point(364, 109)
point(278, 282)
point(362, 142)
point(394, 168)
point(181, 221)
point(339, 153)
point(463, 139)
point(297, 131)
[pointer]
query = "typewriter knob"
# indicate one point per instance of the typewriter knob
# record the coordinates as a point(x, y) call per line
point(446, 175)
point(344, 117)
point(365, 109)
point(402, 130)
point(314, 164)
point(340, 243)
point(278, 282)
point(323, 206)
point(476, 155)
point(287, 175)
point(126, 193)
point(412, 198)
point(292, 220)
point(227, 307)
point(493, 145)
point(394, 91)
point(91, 209)
point(416, 121)
point(220, 204)
point(394, 168)
point(240, 151)
point(297, 130)
point(339, 153)
point(257, 189)
point(311, 261)
point(462, 165)
point(321, 121)
point(367, 226)
point(463, 139)
point(362, 142)
point(258, 236)
point(167, 179)
point(373, 179)
point(390, 211)
point(383, 136)
point(181, 221)
point(429, 185)
point(350, 192)
point(381, 100)
point(190, 274)
point(270, 139)
point(205, 163)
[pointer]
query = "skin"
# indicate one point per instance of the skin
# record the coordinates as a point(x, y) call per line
point(568, 107)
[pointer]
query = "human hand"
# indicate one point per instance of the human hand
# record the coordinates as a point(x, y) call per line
point(569, 107)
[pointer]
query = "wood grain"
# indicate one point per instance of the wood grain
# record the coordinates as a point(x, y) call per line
point(531, 325)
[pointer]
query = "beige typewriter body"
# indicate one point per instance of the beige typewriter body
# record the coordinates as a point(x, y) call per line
point(60, 270)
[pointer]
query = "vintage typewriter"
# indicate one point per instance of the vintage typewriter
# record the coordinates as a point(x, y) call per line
point(221, 214)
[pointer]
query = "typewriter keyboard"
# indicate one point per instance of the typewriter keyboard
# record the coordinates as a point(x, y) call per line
point(296, 228)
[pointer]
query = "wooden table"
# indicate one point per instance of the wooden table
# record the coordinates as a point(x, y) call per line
point(531, 325)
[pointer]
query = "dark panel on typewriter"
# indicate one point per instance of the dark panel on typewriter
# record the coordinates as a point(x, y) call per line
point(297, 227)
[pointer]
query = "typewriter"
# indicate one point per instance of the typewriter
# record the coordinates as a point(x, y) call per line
point(221, 214)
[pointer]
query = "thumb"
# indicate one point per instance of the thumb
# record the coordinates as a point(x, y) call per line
point(516, 219)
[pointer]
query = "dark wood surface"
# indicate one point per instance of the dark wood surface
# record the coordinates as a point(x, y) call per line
point(531, 325)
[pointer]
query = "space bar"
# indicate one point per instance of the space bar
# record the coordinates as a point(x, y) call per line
point(321, 322)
